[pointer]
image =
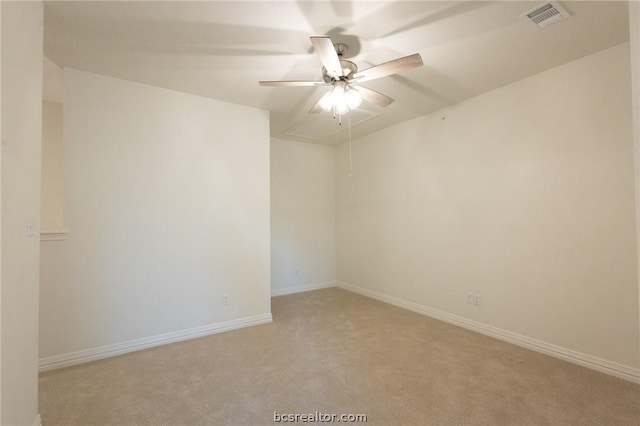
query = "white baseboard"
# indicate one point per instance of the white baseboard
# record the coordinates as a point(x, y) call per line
point(37, 421)
point(594, 363)
point(301, 288)
point(66, 360)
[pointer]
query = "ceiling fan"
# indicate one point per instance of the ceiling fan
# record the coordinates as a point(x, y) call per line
point(345, 78)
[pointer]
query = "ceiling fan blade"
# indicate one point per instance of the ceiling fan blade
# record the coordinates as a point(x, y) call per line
point(374, 97)
point(316, 108)
point(292, 83)
point(388, 68)
point(328, 56)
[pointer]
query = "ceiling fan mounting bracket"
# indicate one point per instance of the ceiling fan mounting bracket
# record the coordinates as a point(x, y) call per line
point(341, 48)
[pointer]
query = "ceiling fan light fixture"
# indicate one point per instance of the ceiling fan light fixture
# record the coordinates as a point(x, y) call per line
point(340, 99)
point(353, 98)
point(342, 109)
point(326, 103)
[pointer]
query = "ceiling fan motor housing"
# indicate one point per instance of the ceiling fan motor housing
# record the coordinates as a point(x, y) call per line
point(348, 69)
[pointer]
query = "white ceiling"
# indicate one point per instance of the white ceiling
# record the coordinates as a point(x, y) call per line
point(221, 49)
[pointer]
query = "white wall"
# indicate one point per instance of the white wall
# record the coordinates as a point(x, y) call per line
point(302, 216)
point(21, 141)
point(167, 206)
point(524, 195)
point(52, 194)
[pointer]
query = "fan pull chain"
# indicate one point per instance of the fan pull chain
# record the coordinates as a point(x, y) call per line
point(349, 125)
point(339, 116)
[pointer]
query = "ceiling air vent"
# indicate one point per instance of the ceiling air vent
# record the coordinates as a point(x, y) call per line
point(546, 14)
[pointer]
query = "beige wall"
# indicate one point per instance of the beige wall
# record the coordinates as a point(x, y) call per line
point(634, 35)
point(52, 194)
point(21, 147)
point(167, 206)
point(0, 218)
point(523, 195)
point(302, 216)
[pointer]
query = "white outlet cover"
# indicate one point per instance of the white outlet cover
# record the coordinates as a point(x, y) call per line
point(32, 224)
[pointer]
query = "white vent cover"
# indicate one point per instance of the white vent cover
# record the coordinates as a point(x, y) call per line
point(547, 13)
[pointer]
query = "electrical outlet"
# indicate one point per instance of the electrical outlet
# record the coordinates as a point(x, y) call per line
point(473, 299)
point(32, 224)
point(476, 299)
point(225, 300)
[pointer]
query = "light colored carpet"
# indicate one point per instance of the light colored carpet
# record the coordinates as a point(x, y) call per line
point(337, 352)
